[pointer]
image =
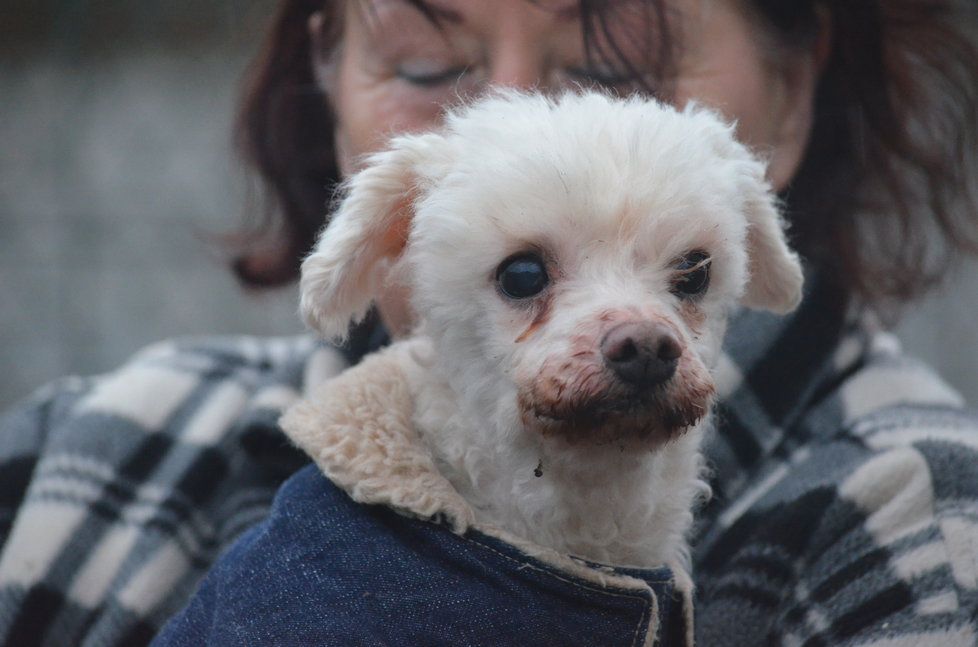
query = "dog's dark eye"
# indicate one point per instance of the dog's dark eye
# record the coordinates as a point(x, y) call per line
point(522, 276)
point(692, 275)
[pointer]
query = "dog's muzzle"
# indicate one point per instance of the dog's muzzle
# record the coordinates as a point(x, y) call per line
point(638, 386)
point(650, 423)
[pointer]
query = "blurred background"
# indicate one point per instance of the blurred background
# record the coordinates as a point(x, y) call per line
point(116, 171)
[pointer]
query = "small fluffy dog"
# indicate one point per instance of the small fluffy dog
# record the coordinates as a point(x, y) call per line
point(571, 263)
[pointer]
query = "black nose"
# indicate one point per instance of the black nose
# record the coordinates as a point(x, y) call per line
point(641, 353)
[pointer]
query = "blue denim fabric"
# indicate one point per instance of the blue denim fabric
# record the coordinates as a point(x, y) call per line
point(323, 570)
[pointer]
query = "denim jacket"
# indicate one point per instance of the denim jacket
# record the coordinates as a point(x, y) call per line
point(325, 570)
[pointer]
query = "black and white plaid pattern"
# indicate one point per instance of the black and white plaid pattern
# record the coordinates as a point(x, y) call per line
point(845, 507)
point(845, 479)
point(118, 492)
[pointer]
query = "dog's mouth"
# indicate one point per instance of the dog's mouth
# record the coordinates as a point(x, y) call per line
point(581, 400)
point(649, 419)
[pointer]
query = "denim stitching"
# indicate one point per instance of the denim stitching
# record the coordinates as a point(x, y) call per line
point(611, 591)
point(608, 591)
point(642, 621)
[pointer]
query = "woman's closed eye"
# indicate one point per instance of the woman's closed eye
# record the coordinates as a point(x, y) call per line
point(428, 74)
point(601, 76)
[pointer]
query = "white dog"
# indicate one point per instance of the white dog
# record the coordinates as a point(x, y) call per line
point(572, 263)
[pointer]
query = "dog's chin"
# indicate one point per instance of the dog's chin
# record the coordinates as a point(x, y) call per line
point(629, 423)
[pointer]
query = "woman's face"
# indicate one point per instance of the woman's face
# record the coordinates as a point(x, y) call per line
point(394, 70)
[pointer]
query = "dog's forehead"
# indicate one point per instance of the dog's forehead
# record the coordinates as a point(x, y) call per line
point(560, 171)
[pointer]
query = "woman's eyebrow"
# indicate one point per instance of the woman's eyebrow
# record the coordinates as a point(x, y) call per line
point(569, 12)
point(437, 15)
point(437, 12)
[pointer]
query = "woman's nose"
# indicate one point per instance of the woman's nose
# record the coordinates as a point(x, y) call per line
point(517, 66)
point(524, 49)
point(521, 54)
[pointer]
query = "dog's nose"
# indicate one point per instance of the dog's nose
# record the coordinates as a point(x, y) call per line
point(641, 353)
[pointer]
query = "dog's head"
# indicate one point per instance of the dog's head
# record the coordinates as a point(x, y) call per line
point(573, 260)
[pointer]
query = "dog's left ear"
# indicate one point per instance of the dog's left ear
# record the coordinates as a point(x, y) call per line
point(349, 265)
point(775, 273)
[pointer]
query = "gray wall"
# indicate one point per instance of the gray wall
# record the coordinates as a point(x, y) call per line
point(116, 174)
point(115, 164)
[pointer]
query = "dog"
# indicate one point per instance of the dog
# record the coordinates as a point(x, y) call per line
point(571, 263)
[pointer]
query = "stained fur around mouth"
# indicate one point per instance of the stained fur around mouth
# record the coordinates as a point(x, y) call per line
point(588, 405)
point(649, 419)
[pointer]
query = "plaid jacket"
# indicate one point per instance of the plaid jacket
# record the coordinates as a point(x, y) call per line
point(845, 476)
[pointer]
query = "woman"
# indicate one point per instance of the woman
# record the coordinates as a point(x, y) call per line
point(843, 473)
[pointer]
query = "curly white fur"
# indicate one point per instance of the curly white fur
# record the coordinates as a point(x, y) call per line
point(611, 193)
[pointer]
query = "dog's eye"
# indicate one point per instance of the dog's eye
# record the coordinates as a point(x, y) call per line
point(522, 276)
point(692, 275)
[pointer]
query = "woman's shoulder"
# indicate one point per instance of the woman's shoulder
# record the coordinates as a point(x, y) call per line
point(860, 523)
point(120, 489)
point(156, 380)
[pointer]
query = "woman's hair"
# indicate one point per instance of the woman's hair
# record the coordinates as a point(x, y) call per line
point(884, 199)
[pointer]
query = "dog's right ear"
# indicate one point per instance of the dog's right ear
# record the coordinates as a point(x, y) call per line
point(349, 264)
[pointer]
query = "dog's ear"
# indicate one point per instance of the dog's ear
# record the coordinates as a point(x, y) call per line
point(348, 266)
point(775, 273)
